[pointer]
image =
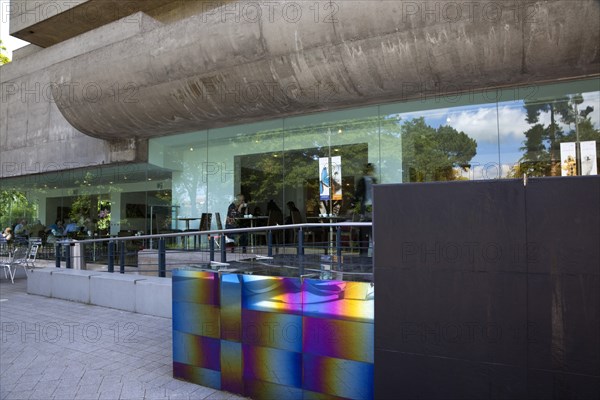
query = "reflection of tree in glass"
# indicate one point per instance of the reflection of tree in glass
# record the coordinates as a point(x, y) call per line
point(541, 147)
point(190, 185)
point(14, 205)
point(265, 175)
point(431, 154)
point(103, 222)
point(80, 209)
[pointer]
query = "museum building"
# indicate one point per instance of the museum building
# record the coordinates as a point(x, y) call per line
point(151, 112)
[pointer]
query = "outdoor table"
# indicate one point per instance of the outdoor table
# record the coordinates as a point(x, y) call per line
point(187, 221)
point(187, 228)
point(252, 220)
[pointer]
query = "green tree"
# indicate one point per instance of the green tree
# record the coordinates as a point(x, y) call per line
point(541, 147)
point(13, 206)
point(431, 154)
point(3, 57)
point(536, 158)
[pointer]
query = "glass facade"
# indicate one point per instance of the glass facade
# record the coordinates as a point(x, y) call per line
point(493, 134)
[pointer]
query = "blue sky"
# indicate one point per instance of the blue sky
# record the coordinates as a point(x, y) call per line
point(482, 122)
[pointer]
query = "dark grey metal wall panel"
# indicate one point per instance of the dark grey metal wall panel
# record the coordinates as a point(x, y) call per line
point(467, 304)
point(563, 217)
point(413, 376)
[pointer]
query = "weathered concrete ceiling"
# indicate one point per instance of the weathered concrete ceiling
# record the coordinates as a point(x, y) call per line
point(221, 68)
point(45, 23)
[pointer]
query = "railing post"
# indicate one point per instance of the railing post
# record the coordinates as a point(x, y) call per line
point(211, 247)
point(111, 256)
point(122, 257)
point(270, 243)
point(68, 256)
point(223, 248)
point(301, 251)
point(338, 247)
point(162, 258)
point(300, 242)
point(57, 251)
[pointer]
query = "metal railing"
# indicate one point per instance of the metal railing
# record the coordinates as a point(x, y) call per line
point(335, 250)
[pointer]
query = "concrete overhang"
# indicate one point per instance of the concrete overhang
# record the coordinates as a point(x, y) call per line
point(210, 70)
point(48, 22)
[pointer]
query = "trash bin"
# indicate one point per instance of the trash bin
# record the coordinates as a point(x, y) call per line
point(77, 255)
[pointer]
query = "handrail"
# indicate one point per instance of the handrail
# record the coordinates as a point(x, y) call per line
point(216, 232)
point(301, 261)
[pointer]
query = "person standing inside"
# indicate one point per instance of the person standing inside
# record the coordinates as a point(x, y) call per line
point(236, 210)
point(364, 196)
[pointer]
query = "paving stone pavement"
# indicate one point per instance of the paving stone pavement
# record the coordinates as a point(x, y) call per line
point(62, 350)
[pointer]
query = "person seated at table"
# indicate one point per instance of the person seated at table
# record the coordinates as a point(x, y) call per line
point(21, 233)
point(71, 229)
point(272, 206)
point(291, 208)
point(7, 236)
point(235, 211)
point(7, 233)
point(55, 231)
point(37, 229)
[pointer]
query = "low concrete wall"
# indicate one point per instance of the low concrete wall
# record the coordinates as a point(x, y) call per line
point(73, 285)
point(134, 293)
point(150, 295)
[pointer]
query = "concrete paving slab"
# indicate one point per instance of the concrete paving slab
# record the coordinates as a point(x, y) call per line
point(59, 350)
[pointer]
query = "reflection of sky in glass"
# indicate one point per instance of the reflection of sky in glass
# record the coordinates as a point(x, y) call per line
point(495, 126)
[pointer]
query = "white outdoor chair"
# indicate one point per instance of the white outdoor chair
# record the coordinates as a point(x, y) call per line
point(18, 258)
point(5, 256)
point(32, 255)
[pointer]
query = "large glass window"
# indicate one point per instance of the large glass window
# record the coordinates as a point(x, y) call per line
point(100, 201)
point(325, 157)
point(548, 130)
point(534, 129)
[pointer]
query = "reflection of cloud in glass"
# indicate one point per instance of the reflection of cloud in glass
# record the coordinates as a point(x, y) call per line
point(592, 99)
point(480, 122)
point(482, 125)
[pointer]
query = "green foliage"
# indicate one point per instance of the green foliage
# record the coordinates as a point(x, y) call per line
point(13, 206)
point(103, 223)
point(271, 174)
point(541, 147)
point(3, 57)
point(536, 158)
point(81, 208)
point(431, 154)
